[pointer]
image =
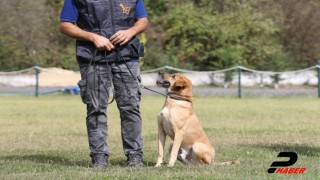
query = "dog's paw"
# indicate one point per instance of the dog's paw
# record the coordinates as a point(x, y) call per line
point(170, 165)
point(158, 165)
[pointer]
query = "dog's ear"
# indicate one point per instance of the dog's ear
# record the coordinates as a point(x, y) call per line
point(180, 84)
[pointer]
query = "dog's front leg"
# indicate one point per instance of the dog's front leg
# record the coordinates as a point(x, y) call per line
point(175, 148)
point(161, 144)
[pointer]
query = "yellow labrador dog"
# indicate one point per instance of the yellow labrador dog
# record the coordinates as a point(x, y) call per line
point(177, 120)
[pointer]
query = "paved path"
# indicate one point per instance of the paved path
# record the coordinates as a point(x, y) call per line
point(248, 92)
point(311, 92)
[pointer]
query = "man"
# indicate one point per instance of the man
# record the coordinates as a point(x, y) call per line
point(108, 55)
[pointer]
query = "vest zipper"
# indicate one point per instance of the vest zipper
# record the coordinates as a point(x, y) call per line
point(112, 16)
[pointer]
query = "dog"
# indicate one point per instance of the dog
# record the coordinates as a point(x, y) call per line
point(178, 120)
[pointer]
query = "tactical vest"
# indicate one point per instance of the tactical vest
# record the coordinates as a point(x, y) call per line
point(106, 17)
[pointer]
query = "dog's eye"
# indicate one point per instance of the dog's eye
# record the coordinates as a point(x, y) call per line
point(173, 76)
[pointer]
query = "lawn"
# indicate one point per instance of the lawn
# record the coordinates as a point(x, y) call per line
point(45, 138)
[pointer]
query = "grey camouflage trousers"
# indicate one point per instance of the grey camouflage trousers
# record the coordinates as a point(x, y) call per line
point(94, 88)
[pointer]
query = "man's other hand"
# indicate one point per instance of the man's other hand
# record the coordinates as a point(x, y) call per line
point(122, 37)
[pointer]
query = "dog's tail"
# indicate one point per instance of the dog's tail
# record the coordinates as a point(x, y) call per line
point(227, 163)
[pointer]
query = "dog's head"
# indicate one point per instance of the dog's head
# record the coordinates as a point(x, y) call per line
point(175, 83)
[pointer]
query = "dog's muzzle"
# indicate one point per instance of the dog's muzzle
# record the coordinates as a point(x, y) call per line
point(163, 83)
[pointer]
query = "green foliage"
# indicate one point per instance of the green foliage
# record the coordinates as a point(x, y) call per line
point(68, 59)
point(7, 55)
point(192, 34)
point(206, 39)
point(155, 9)
point(34, 38)
point(209, 35)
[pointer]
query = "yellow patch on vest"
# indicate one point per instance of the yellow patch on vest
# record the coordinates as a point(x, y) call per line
point(125, 10)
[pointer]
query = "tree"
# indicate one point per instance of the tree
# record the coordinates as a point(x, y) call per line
point(210, 38)
point(192, 34)
point(299, 26)
point(301, 29)
point(30, 36)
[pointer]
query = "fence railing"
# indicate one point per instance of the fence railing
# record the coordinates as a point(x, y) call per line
point(238, 81)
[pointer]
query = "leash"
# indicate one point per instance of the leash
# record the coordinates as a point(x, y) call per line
point(110, 79)
point(109, 72)
point(110, 75)
point(171, 95)
point(135, 78)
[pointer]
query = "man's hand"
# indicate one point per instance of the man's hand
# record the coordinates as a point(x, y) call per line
point(102, 43)
point(122, 37)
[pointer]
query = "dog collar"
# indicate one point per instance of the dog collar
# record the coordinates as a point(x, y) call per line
point(179, 97)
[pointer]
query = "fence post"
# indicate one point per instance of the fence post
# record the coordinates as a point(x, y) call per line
point(318, 67)
point(239, 81)
point(36, 68)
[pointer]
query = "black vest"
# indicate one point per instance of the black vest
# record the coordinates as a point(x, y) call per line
point(106, 17)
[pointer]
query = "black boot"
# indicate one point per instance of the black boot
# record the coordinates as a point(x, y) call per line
point(135, 159)
point(99, 161)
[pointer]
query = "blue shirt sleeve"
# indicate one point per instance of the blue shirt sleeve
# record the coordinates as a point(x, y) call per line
point(140, 9)
point(69, 12)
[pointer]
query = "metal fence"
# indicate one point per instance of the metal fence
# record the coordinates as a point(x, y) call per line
point(236, 81)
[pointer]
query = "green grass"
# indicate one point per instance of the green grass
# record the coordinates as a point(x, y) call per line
point(45, 138)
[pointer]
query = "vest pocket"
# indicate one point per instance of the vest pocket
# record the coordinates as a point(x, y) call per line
point(133, 50)
point(137, 49)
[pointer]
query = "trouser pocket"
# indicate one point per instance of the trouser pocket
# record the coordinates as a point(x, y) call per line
point(84, 91)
